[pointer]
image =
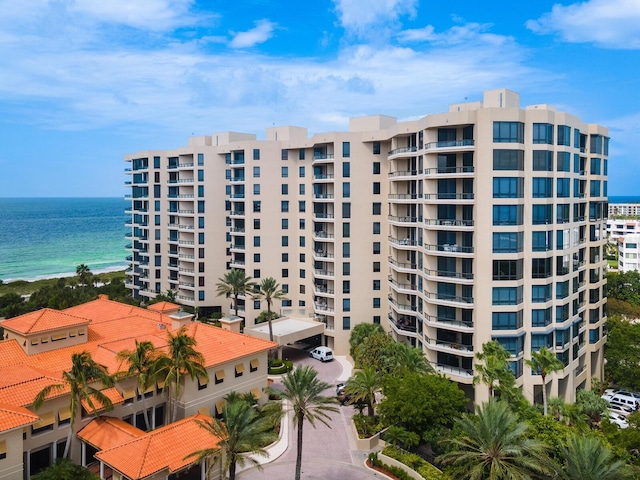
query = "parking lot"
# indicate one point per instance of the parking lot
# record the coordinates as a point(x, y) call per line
point(327, 453)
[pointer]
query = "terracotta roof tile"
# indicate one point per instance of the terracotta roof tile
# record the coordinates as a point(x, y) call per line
point(112, 394)
point(161, 449)
point(42, 320)
point(11, 353)
point(109, 432)
point(164, 307)
point(14, 417)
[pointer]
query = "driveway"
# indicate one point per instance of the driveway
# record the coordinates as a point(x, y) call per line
point(327, 453)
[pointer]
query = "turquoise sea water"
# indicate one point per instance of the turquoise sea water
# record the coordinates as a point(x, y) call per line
point(50, 237)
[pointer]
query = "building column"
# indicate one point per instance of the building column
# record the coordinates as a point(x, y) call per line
point(83, 451)
point(102, 470)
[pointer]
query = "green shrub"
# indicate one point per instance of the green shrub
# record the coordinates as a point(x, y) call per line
point(367, 426)
point(415, 462)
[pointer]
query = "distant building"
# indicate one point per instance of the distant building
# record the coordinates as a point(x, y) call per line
point(618, 227)
point(628, 252)
point(484, 222)
point(37, 348)
point(624, 209)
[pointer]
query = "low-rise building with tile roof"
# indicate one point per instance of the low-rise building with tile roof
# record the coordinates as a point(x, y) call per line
point(37, 349)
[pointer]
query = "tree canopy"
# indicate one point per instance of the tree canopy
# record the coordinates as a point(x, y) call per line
point(623, 353)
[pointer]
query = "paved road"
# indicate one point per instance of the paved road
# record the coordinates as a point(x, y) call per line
point(327, 453)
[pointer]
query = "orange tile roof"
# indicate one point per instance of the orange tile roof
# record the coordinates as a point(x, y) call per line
point(20, 385)
point(109, 432)
point(164, 307)
point(161, 449)
point(42, 320)
point(15, 417)
point(11, 353)
point(111, 393)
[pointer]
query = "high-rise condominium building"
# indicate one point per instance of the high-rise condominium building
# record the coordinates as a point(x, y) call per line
point(485, 222)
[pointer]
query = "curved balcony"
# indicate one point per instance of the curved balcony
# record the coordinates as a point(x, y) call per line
point(402, 308)
point(402, 152)
point(323, 256)
point(403, 267)
point(322, 291)
point(320, 273)
point(404, 243)
point(404, 175)
point(447, 249)
point(448, 300)
point(322, 236)
point(441, 224)
point(449, 198)
point(323, 308)
point(402, 221)
point(323, 217)
point(461, 375)
point(455, 277)
point(449, 172)
point(449, 347)
point(449, 324)
point(187, 285)
point(404, 197)
point(406, 326)
point(457, 145)
point(406, 288)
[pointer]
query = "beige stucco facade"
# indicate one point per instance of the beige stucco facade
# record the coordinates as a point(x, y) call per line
point(483, 222)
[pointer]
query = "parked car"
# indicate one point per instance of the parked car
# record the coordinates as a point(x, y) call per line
point(618, 419)
point(623, 397)
point(620, 408)
point(324, 354)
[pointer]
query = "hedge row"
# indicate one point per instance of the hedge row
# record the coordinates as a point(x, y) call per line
point(415, 462)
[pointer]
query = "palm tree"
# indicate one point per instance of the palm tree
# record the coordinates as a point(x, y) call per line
point(182, 359)
point(363, 387)
point(588, 459)
point(494, 446)
point(80, 380)
point(84, 274)
point(141, 362)
point(494, 371)
point(235, 283)
point(269, 291)
point(398, 356)
point(545, 362)
point(240, 431)
point(304, 391)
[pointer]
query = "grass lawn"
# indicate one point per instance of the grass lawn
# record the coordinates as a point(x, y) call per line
point(22, 287)
point(612, 263)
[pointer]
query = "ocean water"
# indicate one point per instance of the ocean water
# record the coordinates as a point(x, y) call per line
point(50, 237)
point(624, 199)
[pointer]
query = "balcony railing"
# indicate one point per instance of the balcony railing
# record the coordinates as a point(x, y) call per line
point(450, 144)
point(448, 223)
point(449, 196)
point(448, 170)
point(404, 196)
point(402, 306)
point(443, 273)
point(403, 150)
point(409, 242)
point(404, 173)
point(448, 298)
point(322, 156)
point(448, 322)
point(405, 324)
point(393, 218)
point(324, 273)
point(403, 286)
point(449, 369)
point(448, 248)
point(451, 345)
point(320, 234)
point(393, 261)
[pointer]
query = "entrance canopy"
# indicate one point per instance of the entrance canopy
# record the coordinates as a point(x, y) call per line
point(286, 330)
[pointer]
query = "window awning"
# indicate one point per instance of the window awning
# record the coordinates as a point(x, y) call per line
point(46, 419)
point(202, 381)
point(128, 393)
point(256, 392)
point(255, 363)
point(3, 447)
point(150, 389)
point(204, 411)
point(240, 368)
point(161, 384)
point(219, 406)
point(220, 375)
point(64, 414)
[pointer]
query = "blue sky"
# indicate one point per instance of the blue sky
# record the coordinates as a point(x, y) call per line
point(83, 82)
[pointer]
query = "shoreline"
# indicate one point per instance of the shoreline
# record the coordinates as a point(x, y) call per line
point(119, 268)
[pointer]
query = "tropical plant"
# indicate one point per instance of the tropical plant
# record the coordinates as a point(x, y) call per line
point(269, 291)
point(400, 436)
point(591, 405)
point(234, 283)
point(84, 274)
point(304, 392)
point(240, 432)
point(182, 359)
point(141, 363)
point(494, 370)
point(493, 445)
point(544, 362)
point(80, 380)
point(399, 357)
point(587, 458)
point(65, 469)
point(359, 333)
point(362, 386)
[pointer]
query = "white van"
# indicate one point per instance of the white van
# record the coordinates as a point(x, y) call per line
point(624, 398)
point(324, 354)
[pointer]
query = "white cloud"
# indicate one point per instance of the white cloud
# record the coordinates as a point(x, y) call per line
point(456, 35)
point(260, 34)
point(368, 18)
point(606, 23)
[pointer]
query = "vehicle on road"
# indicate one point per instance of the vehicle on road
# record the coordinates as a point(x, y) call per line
point(343, 397)
point(619, 419)
point(324, 354)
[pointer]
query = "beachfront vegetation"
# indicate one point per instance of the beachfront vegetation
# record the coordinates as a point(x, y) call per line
point(20, 297)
